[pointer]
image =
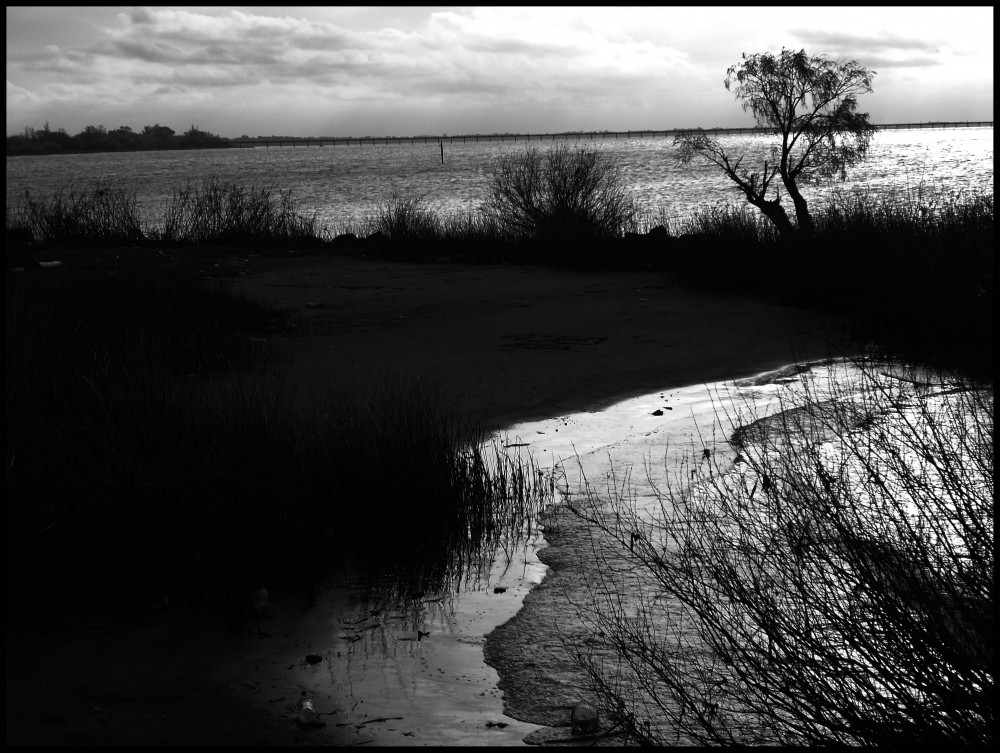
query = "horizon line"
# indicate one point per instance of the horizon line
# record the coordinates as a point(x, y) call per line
point(634, 131)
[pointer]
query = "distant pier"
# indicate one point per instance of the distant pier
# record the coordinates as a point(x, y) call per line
point(267, 143)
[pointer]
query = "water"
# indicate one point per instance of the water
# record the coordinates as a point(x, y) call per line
point(342, 184)
point(625, 466)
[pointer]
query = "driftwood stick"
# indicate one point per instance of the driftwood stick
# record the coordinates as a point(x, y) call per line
point(379, 719)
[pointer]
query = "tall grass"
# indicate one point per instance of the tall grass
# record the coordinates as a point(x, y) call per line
point(835, 587)
point(420, 496)
point(216, 212)
point(212, 212)
point(142, 466)
point(402, 227)
point(107, 213)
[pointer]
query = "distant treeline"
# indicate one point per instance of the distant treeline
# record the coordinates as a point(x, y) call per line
point(99, 139)
point(124, 139)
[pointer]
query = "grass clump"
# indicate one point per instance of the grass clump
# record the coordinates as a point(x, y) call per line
point(406, 218)
point(219, 213)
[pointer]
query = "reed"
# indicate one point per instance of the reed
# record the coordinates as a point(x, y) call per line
point(423, 498)
point(212, 212)
point(145, 466)
point(107, 213)
point(216, 212)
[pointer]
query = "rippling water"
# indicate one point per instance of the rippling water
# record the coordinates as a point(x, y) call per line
point(346, 182)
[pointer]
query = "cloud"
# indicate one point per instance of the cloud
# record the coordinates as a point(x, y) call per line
point(486, 56)
point(493, 68)
point(18, 96)
point(881, 52)
point(151, 51)
point(883, 62)
point(838, 42)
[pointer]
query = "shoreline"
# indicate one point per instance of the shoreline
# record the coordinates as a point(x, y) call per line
point(541, 683)
point(503, 344)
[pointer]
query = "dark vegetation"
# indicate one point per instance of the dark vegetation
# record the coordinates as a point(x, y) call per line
point(108, 215)
point(911, 272)
point(147, 464)
point(100, 139)
point(150, 457)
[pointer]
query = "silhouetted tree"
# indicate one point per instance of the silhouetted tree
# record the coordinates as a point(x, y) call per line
point(811, 103)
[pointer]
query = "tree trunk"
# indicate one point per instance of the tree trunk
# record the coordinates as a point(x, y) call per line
point(805, 220)
point(776, 214)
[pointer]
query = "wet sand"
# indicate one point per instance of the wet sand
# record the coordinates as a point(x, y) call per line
point(503, 344)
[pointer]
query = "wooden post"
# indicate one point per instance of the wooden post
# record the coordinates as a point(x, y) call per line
point(441, 144)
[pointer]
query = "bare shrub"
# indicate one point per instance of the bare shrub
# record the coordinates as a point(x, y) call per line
point(560, 194)
point(215, 211)
point(836, 586)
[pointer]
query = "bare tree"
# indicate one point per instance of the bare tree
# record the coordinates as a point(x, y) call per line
point(836, 586)
point(810, 102)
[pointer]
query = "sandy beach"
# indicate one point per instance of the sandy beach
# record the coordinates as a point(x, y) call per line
point(505, 345)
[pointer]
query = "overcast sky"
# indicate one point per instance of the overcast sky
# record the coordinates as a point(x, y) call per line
point(407, 71)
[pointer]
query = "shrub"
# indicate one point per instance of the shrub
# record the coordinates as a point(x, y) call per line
point(836, 587)
point(218, 213)
point(561, 195)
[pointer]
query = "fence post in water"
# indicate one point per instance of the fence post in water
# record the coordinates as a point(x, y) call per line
point(441, 144)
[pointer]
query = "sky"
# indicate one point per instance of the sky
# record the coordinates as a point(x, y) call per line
point(405, 71)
